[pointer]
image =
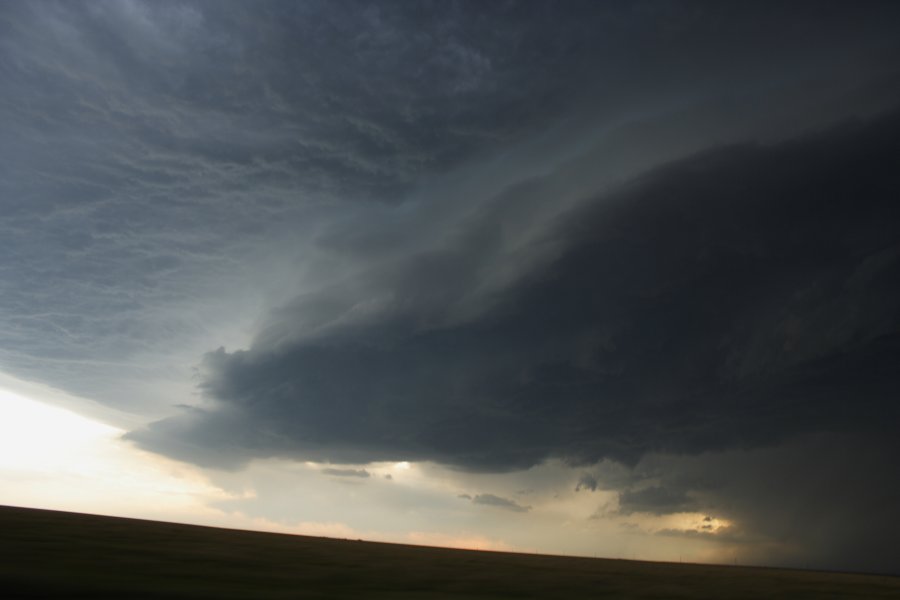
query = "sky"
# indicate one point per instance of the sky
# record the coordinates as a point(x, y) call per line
point(592, 278)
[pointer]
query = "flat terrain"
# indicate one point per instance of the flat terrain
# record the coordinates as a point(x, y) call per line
point(68, 555)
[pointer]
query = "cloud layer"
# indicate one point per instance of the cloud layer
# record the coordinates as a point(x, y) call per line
point(654, 241)
point(172, 172)
point(730, 299)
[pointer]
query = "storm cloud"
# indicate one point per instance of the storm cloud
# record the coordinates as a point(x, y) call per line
point(825, 499)
point(173, 171)
point(726, 300)
point(657, 500)
point(651, 247)
point(587, 482)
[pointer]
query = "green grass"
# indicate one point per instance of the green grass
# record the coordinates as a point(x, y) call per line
point(57, 554)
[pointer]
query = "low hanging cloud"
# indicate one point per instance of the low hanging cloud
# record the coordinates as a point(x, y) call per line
point(362, 473)
point(496, 502)
point(167, 167)
point(823, 500)
point(656, 500)
point(733, 299)
point(587, 482)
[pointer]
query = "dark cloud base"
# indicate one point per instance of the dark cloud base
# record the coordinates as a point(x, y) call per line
point(823, 500)
point(168, 168)
point(734, 299)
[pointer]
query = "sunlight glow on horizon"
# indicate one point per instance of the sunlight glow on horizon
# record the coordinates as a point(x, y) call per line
point(53, 458)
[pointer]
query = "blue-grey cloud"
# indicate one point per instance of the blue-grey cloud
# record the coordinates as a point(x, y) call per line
point(166, 169)
point(157, 157)
point(668, 320)
point(479, 234)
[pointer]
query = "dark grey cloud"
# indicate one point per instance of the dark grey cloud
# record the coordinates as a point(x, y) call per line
point(735, 298)
point(497, 502)
point(823, 500)
point(155, 157)
point(657, 500)
point(724, 324)
point(587, 482)
point(164, 165)
point(346, 472)
point(482, 234)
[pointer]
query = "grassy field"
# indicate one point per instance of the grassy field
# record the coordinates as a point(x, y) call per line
point(57, 554)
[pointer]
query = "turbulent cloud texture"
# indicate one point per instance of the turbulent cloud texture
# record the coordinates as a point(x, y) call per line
point(490, 237)
point(727, 300)
point(171, 171)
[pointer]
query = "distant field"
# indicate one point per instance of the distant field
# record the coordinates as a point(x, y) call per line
point(48, 553)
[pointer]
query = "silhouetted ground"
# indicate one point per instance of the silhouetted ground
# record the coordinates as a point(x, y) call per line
point(48, 553)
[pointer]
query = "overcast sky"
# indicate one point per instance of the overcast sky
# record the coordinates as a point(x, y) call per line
point(599, 278)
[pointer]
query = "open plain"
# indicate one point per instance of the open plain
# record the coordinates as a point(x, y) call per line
point(68, 555)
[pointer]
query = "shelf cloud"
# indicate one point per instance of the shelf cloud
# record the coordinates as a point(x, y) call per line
point(731, 299)
point(640, 260)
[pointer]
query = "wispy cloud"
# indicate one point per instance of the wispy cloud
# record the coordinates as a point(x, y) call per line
point(498, 502)
point(362, 473)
